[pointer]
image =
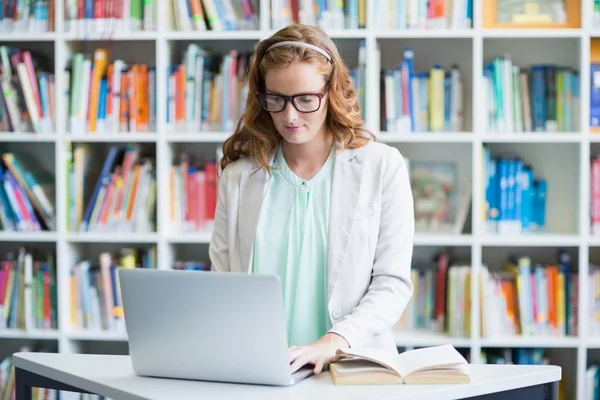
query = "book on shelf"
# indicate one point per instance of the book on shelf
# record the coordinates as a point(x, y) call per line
point(28, 291)
point(27, 202)
point(346, 14)
point(32, 17)
point(515, 198)
point(371, 366)
point(107, 17)
point(95, 292)
point(423, 14)
point(530, 299)
point(105, 97)
point(192, 194)
point(421, 100)
point(595, 195)
point(215, 15)
point(27, 102)
point(593, 300)
point(538, 98)
point(207, 91)
point(441, 300)
point(120, 198)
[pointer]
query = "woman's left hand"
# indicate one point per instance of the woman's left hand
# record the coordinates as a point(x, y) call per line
point(319, 353)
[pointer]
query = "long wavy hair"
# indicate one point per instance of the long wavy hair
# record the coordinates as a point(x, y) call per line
point(255, 135)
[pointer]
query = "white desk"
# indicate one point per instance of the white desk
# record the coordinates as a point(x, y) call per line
point(112, 376)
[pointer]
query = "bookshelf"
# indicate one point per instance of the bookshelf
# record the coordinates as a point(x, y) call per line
point(568, 218)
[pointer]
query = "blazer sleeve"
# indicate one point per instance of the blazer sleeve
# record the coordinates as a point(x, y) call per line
point(390, 288)
point(218, 250)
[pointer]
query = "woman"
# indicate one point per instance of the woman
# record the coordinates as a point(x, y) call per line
point(306, 194)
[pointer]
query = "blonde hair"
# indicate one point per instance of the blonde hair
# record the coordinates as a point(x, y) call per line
point(255, 135)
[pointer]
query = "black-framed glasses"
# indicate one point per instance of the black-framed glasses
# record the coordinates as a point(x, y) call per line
point(303, 102)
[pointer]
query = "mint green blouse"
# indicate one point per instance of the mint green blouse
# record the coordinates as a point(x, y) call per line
point(291, 242)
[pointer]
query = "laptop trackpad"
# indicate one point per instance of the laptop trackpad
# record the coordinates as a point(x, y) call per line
point(302, 373)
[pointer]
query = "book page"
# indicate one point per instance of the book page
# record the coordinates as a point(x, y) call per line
point(435, 356)
point(378, 356)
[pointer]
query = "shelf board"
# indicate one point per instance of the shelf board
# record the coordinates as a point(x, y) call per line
point(531, 240)
point(424, 33)
point(421, 337)
point(425, 137)
point(29, 37)
point(111, 237)
point(44, 236)
point(593, 137)
point(532, 137)
point(34, 334)
point(95, 335)
point(531, 33)
point(190, 237)
point(27, 137)
point(198, 137)
point(212, 35)
point(116, 137)
point(432, 239)
point(530, 341)
point(594, 241)
point(592, 343)
point(111, 35)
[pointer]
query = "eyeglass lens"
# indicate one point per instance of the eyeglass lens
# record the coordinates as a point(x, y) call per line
point(303, 103)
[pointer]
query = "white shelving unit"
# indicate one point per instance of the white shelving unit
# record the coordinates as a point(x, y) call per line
point(569, 182)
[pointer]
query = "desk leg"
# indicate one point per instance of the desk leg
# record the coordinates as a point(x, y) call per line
point(22, 390)
point(547, 391)
point(26, 380)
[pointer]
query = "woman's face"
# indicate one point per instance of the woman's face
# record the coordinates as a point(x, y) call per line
point(297, 127)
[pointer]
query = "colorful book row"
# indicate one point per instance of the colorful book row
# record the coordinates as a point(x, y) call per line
point(192, 194)
point(28, 292)
point(215, 15)
point(26, 195)
point(423, 14)
point(421, 101)
point(27, 96)
point(94, 288)
point(540, 98)
point(207, 92)
point(515, 198)
point(441, 300)
point(35, 16)
point(340, 14)
point(530, 299)
point(120, 197)
point(85, 17)
point(109, 98)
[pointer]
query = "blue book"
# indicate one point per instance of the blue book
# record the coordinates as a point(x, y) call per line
point(595, 95)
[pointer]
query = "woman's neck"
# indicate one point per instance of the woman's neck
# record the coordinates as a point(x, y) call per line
point(306, 159)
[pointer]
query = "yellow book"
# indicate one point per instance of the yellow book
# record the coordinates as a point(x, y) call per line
point(100, 66)
point(372, 366)
point(436, 99)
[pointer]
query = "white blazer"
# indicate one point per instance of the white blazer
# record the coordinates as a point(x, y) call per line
point(371, 233)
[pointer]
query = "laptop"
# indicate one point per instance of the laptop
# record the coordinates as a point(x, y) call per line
point(200, 325)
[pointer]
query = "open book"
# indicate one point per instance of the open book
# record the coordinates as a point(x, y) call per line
point(371, 366)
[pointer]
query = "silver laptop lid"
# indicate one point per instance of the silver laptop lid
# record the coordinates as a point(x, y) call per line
point(206, 325)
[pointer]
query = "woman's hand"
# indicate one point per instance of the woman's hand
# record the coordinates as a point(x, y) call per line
point(319, 353)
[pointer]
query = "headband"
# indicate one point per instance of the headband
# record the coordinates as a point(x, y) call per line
point(300, 44)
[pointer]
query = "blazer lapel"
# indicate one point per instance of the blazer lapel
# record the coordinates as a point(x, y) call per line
point(347, 181)
point(253, 184)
